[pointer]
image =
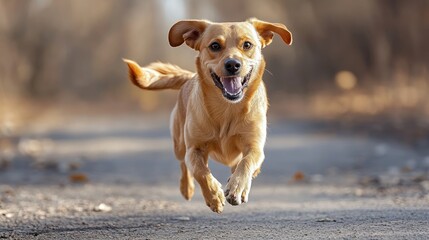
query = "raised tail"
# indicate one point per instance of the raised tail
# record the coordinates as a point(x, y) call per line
point(157, 76)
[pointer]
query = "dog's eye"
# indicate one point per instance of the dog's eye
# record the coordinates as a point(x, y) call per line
point(247, 45)
point(215, 46)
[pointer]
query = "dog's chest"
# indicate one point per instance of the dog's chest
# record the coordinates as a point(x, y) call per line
point(226, 150)
point(225, 145)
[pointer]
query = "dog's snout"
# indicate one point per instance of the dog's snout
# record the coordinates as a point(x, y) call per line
point(232, 66)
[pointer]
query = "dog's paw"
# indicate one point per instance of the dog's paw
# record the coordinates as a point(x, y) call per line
point(237, 190)
point(215, 199)
point(187, 188)
point(217, 202)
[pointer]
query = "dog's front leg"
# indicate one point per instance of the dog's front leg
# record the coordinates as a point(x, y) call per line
point(197, 162)
point(238, 187)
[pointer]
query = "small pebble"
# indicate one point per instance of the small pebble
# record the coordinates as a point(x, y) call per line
point(182, 218)
point(103, 208)
point(326, 220)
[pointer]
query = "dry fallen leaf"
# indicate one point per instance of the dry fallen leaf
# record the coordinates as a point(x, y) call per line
point(298, 176)
point(78, 178)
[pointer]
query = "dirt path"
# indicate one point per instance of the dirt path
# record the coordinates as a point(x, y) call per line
point(117, 179)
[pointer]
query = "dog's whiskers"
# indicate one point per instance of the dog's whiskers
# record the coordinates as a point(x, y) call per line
point(268, 72)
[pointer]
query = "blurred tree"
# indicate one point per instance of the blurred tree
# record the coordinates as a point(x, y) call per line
point(69, 48)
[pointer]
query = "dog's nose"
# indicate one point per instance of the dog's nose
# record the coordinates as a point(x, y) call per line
point(232, 66)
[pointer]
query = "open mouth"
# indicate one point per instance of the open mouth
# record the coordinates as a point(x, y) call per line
point(231, 86)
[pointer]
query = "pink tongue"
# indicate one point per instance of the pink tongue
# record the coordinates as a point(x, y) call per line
point(232, 84)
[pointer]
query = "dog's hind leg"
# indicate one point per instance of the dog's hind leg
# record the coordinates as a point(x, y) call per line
point(187, 186)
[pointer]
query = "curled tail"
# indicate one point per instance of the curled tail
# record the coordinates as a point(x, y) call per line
point(157, 75)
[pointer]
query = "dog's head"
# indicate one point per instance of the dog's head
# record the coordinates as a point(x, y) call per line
point(229, 53)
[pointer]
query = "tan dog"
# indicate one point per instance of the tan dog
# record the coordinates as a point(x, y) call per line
point(221, 110)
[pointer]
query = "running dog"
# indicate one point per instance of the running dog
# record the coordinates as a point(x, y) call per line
point(221, 109)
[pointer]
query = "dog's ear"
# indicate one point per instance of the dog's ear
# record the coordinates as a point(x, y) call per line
point(188, 31)
point(266, 30)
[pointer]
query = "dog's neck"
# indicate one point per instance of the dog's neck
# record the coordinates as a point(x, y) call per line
point(217, 106)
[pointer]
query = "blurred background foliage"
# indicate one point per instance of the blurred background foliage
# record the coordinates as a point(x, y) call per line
point(350, 59)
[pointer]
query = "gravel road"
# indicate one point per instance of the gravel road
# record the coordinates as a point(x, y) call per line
point(116, 178)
